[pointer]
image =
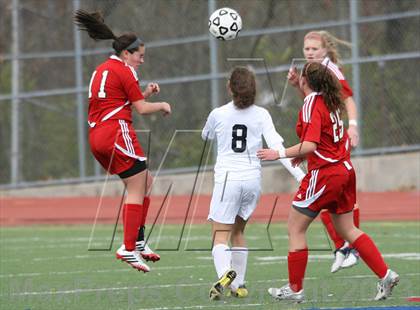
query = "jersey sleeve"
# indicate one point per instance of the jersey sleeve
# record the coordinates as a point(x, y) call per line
point(275, 141)
point(271, 136)
point(311, 127)
point(346, 90)
point(131, 85)
point(209, 130)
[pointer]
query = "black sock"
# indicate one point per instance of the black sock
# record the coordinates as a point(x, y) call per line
point(140, 236)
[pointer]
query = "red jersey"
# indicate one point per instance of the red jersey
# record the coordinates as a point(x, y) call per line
point(346, 90)
point(113, 87)
point(325, 128)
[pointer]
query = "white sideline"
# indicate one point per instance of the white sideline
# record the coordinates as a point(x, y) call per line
point(124, 288)
point(279, 303)
point(407, 256)
point(262, 260)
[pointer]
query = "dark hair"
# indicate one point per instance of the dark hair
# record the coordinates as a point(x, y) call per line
point(242, 85)
point(94, 25)
point(320, 79)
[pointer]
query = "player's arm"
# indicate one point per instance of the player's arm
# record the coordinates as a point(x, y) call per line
point(208, 130)
point(311, 137)
point(352, 115)
point(275, 141)
point(145, 107)
point(298, 150)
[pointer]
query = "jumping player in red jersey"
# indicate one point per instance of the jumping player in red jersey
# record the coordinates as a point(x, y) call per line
point(113, 91)
point(321, 46)
point(329, 184)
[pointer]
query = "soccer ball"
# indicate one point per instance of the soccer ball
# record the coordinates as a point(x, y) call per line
point(225, 24)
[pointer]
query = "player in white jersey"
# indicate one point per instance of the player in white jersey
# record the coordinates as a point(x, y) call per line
point(238, 127)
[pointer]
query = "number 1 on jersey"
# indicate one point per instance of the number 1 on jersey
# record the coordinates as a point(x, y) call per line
point(101, 93)
point(239, 133)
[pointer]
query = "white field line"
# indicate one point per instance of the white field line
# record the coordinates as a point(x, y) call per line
point(405, 256)
point(274, 236)
point(279, 303)
point(274, 259)
point(57, 273)
point(157, 269)
point(261, 261)
point(125, 288)
point(284, 304)
point(12, 241)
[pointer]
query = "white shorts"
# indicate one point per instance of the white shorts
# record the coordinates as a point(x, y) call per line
point(235, 198)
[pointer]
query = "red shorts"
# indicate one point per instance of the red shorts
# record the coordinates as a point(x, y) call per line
point(114, 144)
point(332, 187)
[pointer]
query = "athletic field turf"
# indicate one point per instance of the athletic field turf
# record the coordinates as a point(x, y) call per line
point(49, 267)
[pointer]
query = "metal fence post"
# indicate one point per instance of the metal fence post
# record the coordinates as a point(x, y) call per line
point(81, 135)
point(14, 156)
point(354, 31)
point(214, 69)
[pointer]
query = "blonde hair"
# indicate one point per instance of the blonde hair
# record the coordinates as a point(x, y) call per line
point(329, 42)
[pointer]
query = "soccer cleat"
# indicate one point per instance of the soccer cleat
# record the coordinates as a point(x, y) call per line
point(216, 291)
point(351, 259)
point(286, 293)
point(132, 258)
point(339, 257)
point(241, 292)
point(386, 285)
point(146, 252)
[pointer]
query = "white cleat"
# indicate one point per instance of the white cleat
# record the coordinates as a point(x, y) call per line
point(351, 259)
point(286, 293)
point(340, 256)
point(132, 258)
point(386, 285)
point(146, 252)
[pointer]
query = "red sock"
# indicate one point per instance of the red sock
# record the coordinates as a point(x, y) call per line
point(335, 237)
point(371, 255)
point(297, 265)
point(132, 214)
point(356, 217)
point(146, 204)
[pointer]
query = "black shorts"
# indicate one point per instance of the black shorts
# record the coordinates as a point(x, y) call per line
point(137, 167)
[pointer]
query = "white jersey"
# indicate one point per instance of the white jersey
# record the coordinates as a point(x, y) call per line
point(239, 135)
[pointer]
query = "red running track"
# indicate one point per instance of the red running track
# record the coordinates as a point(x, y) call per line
point(387, 206)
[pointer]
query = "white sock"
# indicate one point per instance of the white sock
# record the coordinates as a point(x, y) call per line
point(239, 261)
point(221, 257)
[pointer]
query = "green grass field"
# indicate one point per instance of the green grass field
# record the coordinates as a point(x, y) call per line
point(49, 267)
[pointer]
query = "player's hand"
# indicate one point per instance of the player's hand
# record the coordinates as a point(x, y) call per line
point(293, 77)
point(152, 89)
point(353, 135)
point(297, 161)
point(166, 108)
point(268, 154)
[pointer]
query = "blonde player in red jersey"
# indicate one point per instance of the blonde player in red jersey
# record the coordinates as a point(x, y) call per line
point(113, 91)
point(329, 184)
point(321, 46)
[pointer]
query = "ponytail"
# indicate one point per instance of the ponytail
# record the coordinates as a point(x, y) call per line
point(94, 25)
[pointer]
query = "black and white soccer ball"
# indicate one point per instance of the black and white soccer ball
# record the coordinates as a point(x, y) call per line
point(225, 24)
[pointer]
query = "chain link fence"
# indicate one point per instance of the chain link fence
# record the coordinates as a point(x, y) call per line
point(45, 66)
